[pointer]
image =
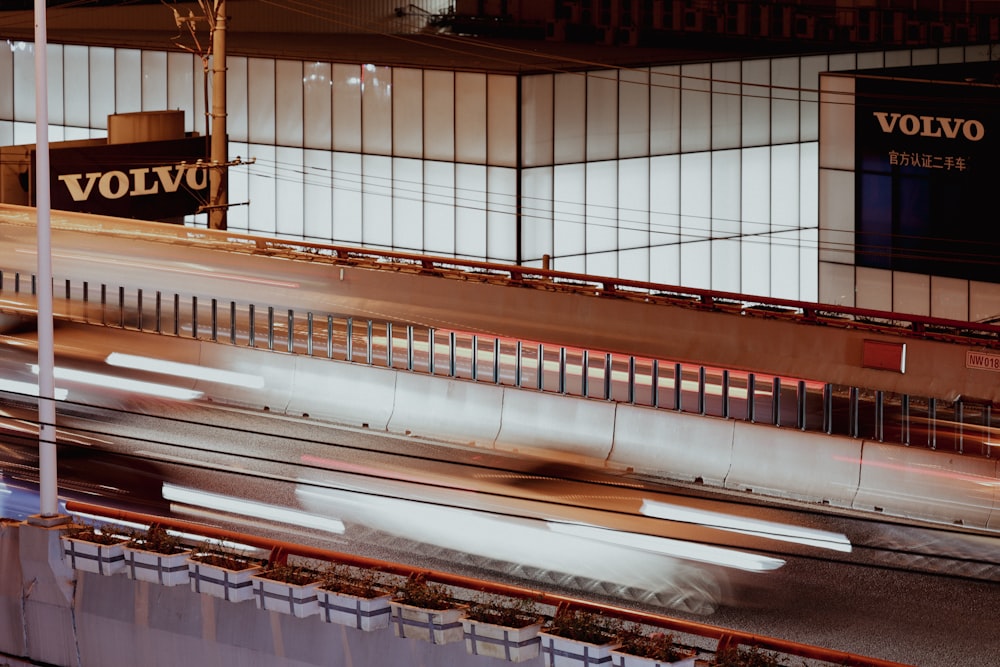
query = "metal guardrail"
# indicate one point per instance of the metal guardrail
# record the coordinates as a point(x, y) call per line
point(961, 427)
point(723, 638)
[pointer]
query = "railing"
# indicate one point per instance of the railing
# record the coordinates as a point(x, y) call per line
point(701, 636)
point(963, 427)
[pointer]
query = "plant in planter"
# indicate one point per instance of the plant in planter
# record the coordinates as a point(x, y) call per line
point(157, 556)
point(290, 589)
point(354, 597)
point(92, 548)
point(638, 648)
point(502, 627)
point(222, 572)
point(745, 657)
point(426, 611)
point(572, 638)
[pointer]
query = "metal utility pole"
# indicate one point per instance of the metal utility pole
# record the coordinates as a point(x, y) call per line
point(218, 171)
point(48, 492)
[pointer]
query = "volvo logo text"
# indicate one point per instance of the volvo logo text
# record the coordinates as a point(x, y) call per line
point(135, 182)
point(930, 126)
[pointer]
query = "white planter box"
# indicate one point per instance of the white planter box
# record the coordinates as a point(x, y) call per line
point(231, 585)
point(438, 626)
point(362, 613)
point(299, 600)
point(627, 660)
point(93, 557)
point(561, 652)
point(498, 641)
point(158, 568)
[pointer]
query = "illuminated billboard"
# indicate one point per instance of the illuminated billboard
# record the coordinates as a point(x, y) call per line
point(150, 180)
point(927, 177)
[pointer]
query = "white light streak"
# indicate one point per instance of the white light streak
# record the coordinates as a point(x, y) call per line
point(178, 369)
point(123, 384)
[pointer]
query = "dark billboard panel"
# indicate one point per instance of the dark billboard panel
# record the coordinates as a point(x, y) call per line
point(926, 172)
point(151, 180)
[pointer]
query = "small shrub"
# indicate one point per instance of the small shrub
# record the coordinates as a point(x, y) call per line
point(583, 626)
point(658, 646)
point(91, 533)
point(417, 592)
point(297, 575)
point(362, 583)
point(156, 539)
point(219, 555)
point(501, 610)
point(745, 657)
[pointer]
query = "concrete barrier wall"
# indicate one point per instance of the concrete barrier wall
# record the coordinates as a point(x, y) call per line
point(924, 484)
point(343, 393)
point(794, 464)
point(575, 429)
point(274, 368)
point(446, 409)
point(658, 441)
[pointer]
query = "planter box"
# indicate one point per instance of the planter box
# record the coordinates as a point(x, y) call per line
point(361, 613)
point(499, 641)
point(619, 659)
point(220, 582)
point(158, 568)
point(93, 557)
point(561, 652)
point(438, 626)
point(299, 600)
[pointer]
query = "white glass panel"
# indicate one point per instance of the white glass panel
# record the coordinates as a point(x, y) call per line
point(899, 58)
point(911, 293)
point(536, 213)
point(26, 133)
point(602, 115)
point(470, 216)
point(439, 115)
point(568, 210)
point(602, 206)
point(756, 205)
point(978, 53)
point(102, 86)
point(288, 82)
point(784, 100)
point(756, 103)
point(317, 105)
point(602, 263)
point(347, 108)
point(924, 57)
point(665, 111)
point(407, 112)
point(633, 110)
point(984, 301)
point(128, 80)
point(24, 82)
point(260, 100)
point(836, 131)
point(376, 200)
point(696, 107)
point(664, 219)
point(696, 220)
point(239, 188)
point(261, 186)
point(950, 298)
point(7, 83)
point(236, 98)
point(785, 187)
point(439, 207)
point(726, 105)
point(836, 216)
point(951, 55)
point(809, 70)
point(873, 288)
point(537, 120)
point(809, 265)
point(808, 221)
point(289, 192)
point(470, 118)
point(77, 84)
point(54, 54)
point(347, 223)
point(633, 215)
point(407, 204)
point(181, 87)
point(317, 198)
point(570, 114)
point(501, 218)
point(836, 284)
point(844, 62)
point(571, 263)
point(726, 220)
point(501, 117)
point(6, 133)
point(376, 110)
point(195, 116)
point(154, 84)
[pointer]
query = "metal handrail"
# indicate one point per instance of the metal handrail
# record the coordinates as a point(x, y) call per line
point(724, 637)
